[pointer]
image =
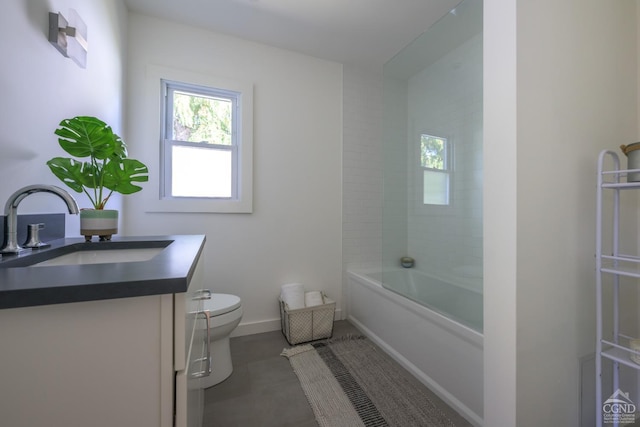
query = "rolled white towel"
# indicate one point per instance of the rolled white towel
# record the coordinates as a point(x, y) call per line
point(312, 298)
point(293, 295)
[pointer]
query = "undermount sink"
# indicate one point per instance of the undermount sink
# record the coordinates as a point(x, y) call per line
point(83, 253)
point(101, 257)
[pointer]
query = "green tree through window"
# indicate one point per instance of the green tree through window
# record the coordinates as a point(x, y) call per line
point(201, 119)
point(433, 151)
point(434, 163)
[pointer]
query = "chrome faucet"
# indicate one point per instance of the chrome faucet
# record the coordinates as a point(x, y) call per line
point(11, 212)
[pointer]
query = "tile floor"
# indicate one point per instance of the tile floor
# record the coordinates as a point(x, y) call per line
point(263, 390)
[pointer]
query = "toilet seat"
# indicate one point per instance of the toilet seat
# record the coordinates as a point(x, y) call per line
point(220, 304)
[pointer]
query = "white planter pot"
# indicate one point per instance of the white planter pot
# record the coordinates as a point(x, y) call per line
point(98, 222)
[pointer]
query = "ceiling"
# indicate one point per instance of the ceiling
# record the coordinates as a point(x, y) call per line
point(364, 33)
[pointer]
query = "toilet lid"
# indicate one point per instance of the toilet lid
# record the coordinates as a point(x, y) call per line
point(221, 304)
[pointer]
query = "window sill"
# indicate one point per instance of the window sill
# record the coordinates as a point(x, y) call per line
point(187, 205)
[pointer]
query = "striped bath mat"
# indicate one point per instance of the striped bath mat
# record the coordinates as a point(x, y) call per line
point(350, 382)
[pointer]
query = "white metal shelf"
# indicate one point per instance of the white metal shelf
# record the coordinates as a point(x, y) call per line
point(616, 264)
point(621, 272)
point(621, 185)
point(620, 356)
point(621, 264)
point(617, 178)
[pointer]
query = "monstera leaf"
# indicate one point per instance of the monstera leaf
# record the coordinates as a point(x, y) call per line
point(73, 173)
point(88, 137)
point(107, 166)
point(120, 176)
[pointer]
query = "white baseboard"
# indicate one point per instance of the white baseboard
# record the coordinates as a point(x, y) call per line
point(250, 328)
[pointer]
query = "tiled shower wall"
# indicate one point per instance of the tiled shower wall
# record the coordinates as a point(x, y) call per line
point(362, 171)
point(445, 99)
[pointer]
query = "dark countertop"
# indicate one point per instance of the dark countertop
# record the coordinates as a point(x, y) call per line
point(169, 272)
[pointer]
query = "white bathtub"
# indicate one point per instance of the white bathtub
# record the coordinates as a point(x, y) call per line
point(445, 354)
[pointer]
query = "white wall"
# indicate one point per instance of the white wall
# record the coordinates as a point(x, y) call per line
point(40, 88)
point(362, 171)
point(499, 212)
point(294, 232)
point(560, 85)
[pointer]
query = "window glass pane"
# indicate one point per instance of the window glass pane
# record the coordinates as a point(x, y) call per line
point(200, 172)
point(433, 152)
point(198, 118)
point(436, 188)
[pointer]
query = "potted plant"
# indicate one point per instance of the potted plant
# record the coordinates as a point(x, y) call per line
point(105, 170)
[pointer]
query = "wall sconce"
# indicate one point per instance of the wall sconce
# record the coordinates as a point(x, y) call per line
point(69, 36)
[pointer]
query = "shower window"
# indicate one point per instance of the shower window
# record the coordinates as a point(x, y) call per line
point(435, 168)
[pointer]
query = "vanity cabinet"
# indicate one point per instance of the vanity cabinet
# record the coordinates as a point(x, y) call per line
point(112, 362)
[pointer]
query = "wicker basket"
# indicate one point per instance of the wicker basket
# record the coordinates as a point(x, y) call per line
point(309, 323)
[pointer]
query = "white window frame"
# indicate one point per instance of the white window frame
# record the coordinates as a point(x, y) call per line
point(168, 89)
point(157, 201)
point(447, 171)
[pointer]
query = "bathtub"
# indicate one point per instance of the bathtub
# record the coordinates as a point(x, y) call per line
point(443, 350)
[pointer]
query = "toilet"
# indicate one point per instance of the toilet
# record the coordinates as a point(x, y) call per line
point(225, 312)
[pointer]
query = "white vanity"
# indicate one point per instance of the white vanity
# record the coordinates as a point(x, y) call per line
point(120, 354)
